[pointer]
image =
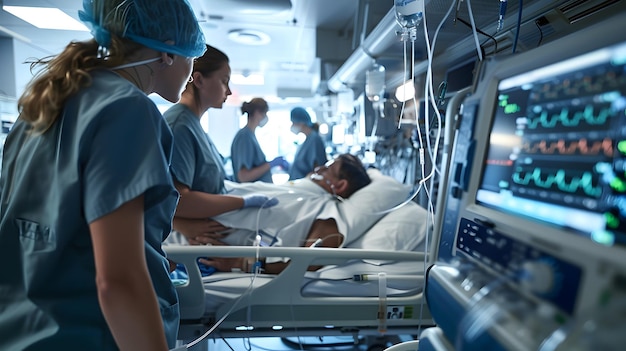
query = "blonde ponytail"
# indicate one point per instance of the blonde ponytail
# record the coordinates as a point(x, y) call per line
point(63, 76)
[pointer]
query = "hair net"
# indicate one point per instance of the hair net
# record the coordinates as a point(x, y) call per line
point(299, 115)
point(147, 22)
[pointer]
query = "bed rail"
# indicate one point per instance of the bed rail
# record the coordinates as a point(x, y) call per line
point(284, 291)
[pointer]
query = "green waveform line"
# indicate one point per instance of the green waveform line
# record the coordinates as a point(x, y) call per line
point(584, 182)
point(550, 121)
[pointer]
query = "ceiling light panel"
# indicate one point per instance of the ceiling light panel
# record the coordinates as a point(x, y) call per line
point(248, 37)
point(46, 18)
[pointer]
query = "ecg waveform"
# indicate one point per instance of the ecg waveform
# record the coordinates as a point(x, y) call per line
point(566, 117)
point(590, 83)
point(560, 180)
point(571, 147)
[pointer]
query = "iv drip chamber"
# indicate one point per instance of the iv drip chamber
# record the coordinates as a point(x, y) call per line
point(409, 12)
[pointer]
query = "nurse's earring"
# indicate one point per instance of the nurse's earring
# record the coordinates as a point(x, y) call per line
point(170, 59)
point(167, 58)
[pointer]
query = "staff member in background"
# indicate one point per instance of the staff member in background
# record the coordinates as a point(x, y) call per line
point(248, 159)
point(197, 166)
point(87, 196)
point(312, 152)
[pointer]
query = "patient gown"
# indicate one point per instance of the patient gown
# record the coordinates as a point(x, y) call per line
point(301, 202)
point(49, 301)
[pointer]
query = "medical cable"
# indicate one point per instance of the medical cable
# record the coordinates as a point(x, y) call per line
point(519, 24)
point(232, 307)
point(489, 37)
point(471, 16)
point(429, 92)
point(317, 242)
point(434, 154)
point(429, 89)
point(256, 270)
point(429, 99)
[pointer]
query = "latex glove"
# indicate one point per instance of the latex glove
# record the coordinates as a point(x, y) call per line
point(277, 162)
point(259, 200)
point(285, 165)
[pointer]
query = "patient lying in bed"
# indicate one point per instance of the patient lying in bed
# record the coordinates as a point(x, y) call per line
point(332, 208)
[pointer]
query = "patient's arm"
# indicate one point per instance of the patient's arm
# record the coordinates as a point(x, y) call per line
point(324, 229)
point(199, 231)
point(327, 231)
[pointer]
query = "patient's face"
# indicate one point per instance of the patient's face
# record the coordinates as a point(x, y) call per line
point(327, 175)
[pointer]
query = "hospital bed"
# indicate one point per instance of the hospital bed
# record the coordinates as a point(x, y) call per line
point(297, 302)
point(385, 298)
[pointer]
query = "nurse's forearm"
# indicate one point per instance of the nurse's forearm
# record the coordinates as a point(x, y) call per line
point(196, 204)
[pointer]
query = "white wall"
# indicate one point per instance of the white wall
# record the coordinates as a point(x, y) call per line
point(7, 83)
point(222, 125)
point(14, 71)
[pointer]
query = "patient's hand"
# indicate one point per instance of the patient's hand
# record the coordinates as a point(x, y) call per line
point(200, 231)
point(225, 264)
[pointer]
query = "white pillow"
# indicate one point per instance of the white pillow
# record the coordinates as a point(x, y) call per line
point(403, 229)
point(366, 206)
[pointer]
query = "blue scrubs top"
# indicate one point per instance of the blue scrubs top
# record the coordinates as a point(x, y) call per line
point(109, 145)
point(246, 152)
point(195, 159)
point(310, 154)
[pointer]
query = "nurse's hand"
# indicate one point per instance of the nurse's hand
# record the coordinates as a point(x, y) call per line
point(200, 231)
point(259, 200)
point(279, 162)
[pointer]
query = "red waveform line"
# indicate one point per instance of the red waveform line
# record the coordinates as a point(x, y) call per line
point(500, 162)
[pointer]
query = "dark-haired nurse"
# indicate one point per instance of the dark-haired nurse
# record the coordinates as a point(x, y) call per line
point(312, 152)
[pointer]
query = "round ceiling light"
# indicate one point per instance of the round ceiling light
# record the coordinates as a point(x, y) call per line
point(248, 37)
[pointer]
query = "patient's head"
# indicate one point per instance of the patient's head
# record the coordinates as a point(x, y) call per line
point(342, 176)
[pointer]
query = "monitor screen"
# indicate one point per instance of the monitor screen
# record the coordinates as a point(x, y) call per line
point(460, 76)
point(557, 146)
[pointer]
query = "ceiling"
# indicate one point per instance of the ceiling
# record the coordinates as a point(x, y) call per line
point(317, 47)
point(289, 62)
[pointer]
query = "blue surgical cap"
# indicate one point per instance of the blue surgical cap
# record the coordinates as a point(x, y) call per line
point(147, 22)
point(299, 115)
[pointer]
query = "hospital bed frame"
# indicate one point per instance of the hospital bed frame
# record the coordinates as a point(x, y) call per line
point(278, 307)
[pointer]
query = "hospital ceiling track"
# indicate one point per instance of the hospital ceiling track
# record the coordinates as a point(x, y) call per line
point(384, 35)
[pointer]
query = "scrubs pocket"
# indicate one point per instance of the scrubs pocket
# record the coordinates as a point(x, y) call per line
point(171, 320)
point(34, 236)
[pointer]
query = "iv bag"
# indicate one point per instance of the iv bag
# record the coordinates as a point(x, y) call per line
point(409, 12)
point(375, 82)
